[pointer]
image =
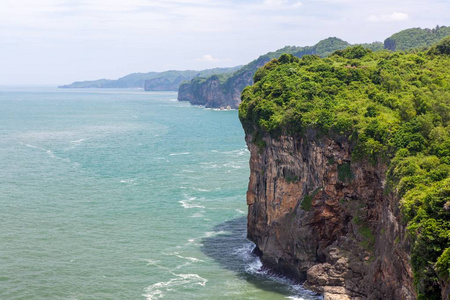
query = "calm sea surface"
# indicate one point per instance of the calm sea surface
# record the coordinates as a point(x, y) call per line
point(124, 194)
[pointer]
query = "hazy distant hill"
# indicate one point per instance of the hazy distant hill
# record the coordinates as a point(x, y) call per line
point(158, 81)
point(416, 38)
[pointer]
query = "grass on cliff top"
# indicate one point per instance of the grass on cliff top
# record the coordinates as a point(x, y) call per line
point(394, 108)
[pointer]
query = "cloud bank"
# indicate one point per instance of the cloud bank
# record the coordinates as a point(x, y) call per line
point(60, 41)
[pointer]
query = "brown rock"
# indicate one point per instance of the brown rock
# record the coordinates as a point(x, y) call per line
point(343, 238)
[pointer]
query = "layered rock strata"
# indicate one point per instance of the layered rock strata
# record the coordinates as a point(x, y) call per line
point(324, 219)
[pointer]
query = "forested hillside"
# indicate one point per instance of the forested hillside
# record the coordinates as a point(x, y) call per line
point(416, 38)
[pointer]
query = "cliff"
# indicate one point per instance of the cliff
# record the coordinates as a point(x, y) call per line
point(316, 215)
point(220, 91)
point(349, 189)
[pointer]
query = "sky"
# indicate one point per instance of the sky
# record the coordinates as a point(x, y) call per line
point(52, 42)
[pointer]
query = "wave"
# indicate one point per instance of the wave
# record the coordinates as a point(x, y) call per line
point(191, 259)
point(254, 266)
point(186, 204)
point(201, 190)
point(49, 152)
point(33, 146)
point(128, 181)
point(181, 153)
point(158, 290)
point(215, 233)
point(77, 141)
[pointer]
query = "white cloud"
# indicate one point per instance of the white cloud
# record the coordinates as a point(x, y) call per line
point(394, 17)
point(111, 38)
point(210, 58)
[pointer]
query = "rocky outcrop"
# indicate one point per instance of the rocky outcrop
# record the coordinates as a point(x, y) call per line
point(216, 92)
point(324, 219)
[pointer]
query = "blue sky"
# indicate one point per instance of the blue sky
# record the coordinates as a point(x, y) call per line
point(61, 41)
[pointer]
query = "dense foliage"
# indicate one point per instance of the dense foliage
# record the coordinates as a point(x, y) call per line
point(416, 38)
point(395, 109)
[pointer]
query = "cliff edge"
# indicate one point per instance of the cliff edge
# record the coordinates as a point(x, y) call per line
point(350, 160)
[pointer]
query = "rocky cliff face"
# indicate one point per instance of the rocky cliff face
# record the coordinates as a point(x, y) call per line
point(212, 92)
point(322, 218)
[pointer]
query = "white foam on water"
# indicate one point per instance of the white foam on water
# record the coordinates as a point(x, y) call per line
point(215, 233)
point(33, 146)
point(155, 263)
point(254, 266)
point(232, 165)
point(151, 262)
point(238, 152)
point(187, 203)
point(128, 181)
point(156, 291)
point(182, 153)
point(201, 190)
point(209, 166)
point(191, 259)
point(240, 211)
point(50, 153)
point(77, 141)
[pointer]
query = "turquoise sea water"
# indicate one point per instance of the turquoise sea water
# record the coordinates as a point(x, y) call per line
point(124, 194)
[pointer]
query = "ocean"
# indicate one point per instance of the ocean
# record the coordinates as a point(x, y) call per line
point(125, 194)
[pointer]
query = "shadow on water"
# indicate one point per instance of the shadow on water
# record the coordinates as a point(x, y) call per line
point(230, 248)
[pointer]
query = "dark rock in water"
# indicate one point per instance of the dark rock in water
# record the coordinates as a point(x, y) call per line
point(257, 251)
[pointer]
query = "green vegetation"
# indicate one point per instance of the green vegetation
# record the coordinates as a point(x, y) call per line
point(369, 238)
point(259, 142)
point(394, 108)
point(345, 172)
point(291, 178)
point(416, 38)
point(307, 200)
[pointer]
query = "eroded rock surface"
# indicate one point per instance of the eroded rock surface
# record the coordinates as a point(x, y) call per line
point(322, 218)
